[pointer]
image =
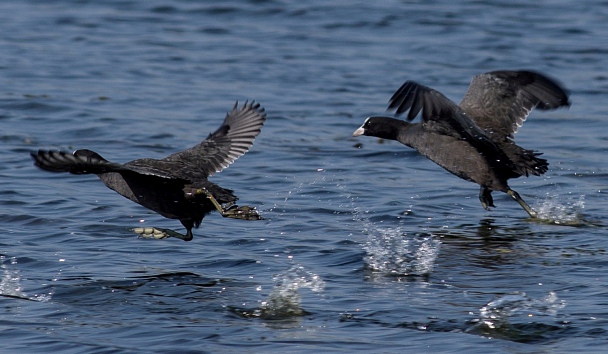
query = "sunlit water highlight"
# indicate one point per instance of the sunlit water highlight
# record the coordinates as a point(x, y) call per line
point(11, 282)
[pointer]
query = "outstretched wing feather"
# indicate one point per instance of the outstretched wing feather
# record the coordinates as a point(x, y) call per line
point(230, 141)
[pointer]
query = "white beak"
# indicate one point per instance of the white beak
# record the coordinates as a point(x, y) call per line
point(359, 131)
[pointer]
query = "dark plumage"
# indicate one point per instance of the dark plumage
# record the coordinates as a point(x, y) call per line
point(176, 187)
point(474, 140)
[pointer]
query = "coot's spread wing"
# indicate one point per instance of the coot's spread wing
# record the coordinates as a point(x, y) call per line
point(221, 148)
point(442, 116)
point(439, 114)
point(234, 137)
point(500, 101)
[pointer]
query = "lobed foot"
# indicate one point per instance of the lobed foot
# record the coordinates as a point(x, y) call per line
point(485, 197)
point(244, 212)
point(232, 210)
point(159, 234)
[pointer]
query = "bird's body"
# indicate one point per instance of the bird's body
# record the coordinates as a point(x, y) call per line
point(175, 197)
point(462, 165)
point(176, 187)
point(474, 140)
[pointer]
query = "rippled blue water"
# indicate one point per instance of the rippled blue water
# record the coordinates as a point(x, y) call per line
point(365, 246)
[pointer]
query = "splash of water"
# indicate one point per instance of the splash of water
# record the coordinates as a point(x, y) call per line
point(285, 301)
point(392, 252)
point(10, 284)
point(498, 313)
point(554, 211)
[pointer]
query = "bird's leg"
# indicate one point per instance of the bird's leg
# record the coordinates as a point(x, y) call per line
point(232, 210)
point(523, 204)
point(210, 196)
point(188, 224)
point(485, 197)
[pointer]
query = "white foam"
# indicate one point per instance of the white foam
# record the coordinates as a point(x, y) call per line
point(554, 210)
point(393, 252)
point(285, 300)
point(497, 313)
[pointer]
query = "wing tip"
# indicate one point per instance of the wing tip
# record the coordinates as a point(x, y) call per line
point(248, 105)
point(243, 124)
point(417, 98)
point(554, 93)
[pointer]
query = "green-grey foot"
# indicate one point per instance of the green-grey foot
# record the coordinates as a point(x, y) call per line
point(244, 212)
point(232, 210)
point(152, 232)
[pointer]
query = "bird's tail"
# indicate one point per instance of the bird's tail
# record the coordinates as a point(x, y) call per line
point(80, 162)
point(528, 162)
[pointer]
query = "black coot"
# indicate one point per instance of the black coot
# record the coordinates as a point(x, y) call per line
point(176, 187)
point(474, 140)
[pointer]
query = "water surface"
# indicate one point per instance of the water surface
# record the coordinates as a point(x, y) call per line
point(366, 245)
